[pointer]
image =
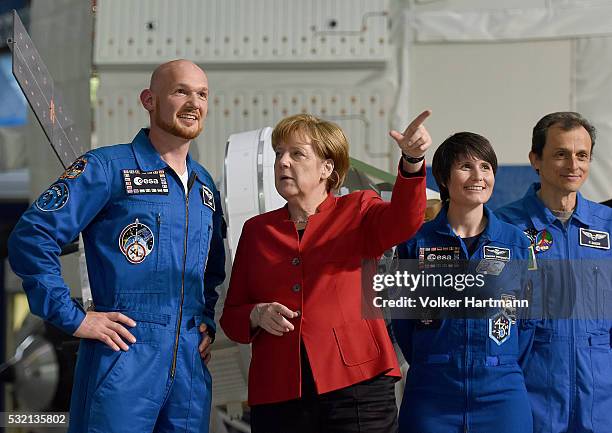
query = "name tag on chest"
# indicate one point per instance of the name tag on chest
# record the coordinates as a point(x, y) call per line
point(594, 239)
point(148, 182)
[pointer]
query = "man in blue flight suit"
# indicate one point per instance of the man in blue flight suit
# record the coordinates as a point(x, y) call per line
point(569, 371)
point(151, 221)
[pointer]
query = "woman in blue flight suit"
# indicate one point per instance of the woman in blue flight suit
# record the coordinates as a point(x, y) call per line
point(465, 373)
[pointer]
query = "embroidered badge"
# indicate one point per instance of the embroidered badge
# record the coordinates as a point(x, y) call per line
point(136, 242)
point(499, 328)
point(438, 257)
point(531, 233)
point(532, 264)
point(76, 169)
point(53, 198)
point(147, 182)
point(594, 239)
point(208, 198)
point(543, 241)
point(496, 253)
point(490, 267)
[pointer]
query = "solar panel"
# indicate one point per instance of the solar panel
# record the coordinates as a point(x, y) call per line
point(43, 96)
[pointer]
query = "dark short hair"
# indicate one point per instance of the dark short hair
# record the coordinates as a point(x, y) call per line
point(566, 120)
point(455, 147)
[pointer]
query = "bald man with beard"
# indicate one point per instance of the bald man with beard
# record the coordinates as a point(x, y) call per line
point(151, 221)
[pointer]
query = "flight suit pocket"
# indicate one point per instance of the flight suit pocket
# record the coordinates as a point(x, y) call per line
point(144, 245)
point(126, 379)
point(356, 343)
point(601, 365)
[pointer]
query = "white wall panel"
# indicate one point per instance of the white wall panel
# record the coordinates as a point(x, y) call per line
point(362, 111)
point(499, 90)
point(238, 31)
point(593, 96)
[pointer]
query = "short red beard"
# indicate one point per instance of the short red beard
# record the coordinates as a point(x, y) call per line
point(174, 128)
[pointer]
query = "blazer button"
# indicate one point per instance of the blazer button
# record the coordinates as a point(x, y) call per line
point(296, 288)
point(295, 261)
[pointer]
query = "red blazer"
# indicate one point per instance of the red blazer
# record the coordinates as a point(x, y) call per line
point(321, 277)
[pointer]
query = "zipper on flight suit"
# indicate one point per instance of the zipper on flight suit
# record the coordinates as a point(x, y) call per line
point(569, 273)
point(192, 179)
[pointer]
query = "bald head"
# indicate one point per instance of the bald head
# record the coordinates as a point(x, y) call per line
point(166, 71)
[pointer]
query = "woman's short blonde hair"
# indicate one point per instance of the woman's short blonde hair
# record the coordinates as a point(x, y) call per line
point(328, 141)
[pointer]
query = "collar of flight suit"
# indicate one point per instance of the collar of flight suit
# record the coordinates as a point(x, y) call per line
point(148, 159)
point(541, 217)
point(491, 231)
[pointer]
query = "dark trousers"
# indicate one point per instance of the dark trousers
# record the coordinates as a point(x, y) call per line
point(365, 407)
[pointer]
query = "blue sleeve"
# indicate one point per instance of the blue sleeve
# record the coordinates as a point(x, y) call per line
point(407, 249)
point(55, 219)
point(404, 328)
point(214, 274)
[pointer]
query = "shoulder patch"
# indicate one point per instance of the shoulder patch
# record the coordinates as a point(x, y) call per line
point(53, 198)
point(76, 169)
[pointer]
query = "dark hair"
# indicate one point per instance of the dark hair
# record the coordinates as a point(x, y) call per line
point(458, 146)
point(566, 120)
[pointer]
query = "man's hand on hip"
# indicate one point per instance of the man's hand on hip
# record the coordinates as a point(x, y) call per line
point(108, 328)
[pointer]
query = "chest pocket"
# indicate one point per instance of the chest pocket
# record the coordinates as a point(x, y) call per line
point(141, 238)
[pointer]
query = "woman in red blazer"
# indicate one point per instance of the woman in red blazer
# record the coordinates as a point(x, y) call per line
point(295, 291)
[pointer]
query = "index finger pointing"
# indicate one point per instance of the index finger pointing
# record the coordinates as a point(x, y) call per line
point(418, 121)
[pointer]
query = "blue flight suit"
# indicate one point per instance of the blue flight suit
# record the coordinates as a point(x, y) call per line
point(154, 254)
point(569, 372)
point(460, 378)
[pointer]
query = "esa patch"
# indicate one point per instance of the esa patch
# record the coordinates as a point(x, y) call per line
point(208, 199)
point(136, 242)
point(496, 253)
point(499, 328)
point(147, 182)
point(594, 239)
point(543, 241)
point(540, 240)
point(53, 198)
point(438, 257)
point(76, 169)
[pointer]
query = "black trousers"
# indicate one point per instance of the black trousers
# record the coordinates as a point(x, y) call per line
point(365, 407)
